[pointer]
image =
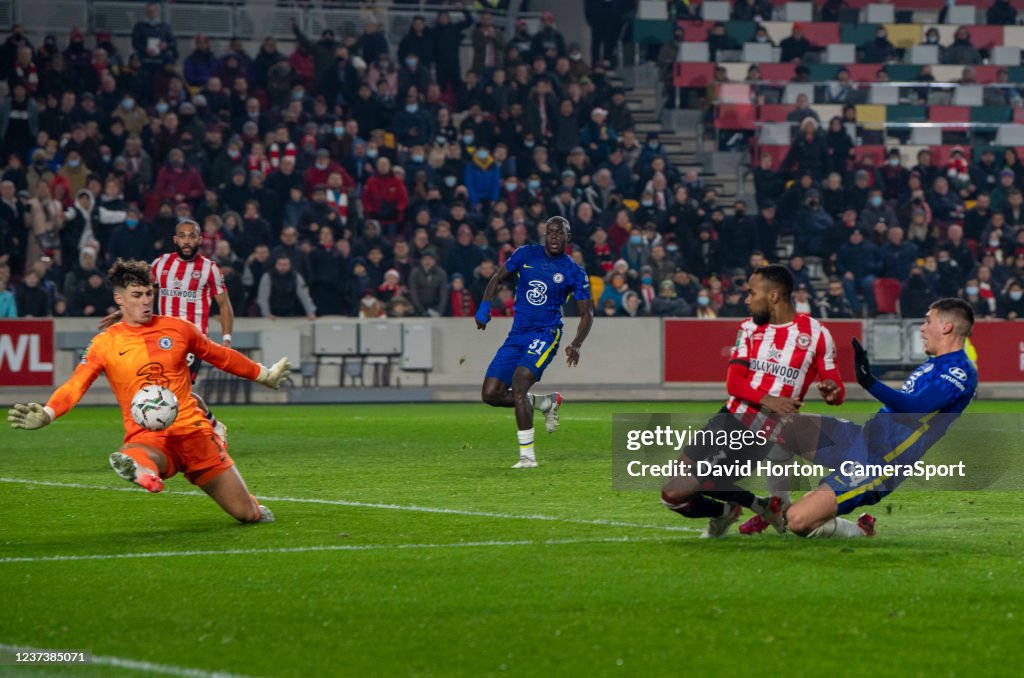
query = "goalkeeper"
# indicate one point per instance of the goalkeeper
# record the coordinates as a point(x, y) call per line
point(142, 350)
point(909, 423)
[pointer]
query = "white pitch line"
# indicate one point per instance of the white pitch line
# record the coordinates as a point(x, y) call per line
point(334, 547)
point(132, 664)
point(389, 507)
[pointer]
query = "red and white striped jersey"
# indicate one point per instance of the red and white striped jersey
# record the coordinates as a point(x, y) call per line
point(187, 287)
point(782, 360)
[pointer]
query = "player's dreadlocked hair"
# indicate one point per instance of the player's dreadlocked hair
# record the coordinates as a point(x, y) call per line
point(778, 276)
point(959, 310)
point(132, 272)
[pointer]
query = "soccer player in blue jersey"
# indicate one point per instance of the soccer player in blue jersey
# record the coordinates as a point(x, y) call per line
point(547, 276)
point(910, 421)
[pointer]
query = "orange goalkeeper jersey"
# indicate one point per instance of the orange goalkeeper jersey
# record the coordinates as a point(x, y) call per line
point(133, 357)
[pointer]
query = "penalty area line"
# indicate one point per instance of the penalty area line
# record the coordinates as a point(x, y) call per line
point(329, 548)
point(372, 505)
point(129, 664)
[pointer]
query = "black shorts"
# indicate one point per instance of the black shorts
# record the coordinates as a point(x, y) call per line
point(729, 446)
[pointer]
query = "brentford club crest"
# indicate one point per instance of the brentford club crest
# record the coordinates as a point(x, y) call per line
point(195, 275)
point(803, 341)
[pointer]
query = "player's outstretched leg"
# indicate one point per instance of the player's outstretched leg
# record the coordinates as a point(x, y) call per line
point(522, 380)
point(140, 464)
point(815, 515)
point(231, 494)
point(548, 405)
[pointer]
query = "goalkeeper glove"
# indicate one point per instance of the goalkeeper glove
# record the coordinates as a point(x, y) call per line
point(862, 367)
point(273, 376)
point(29, 417)
point(483, 314)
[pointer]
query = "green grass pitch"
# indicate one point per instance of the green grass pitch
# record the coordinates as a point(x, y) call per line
point(540, 572)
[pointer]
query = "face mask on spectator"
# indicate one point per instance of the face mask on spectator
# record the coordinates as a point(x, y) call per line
point(449, 181)
point(653, 145)
point(234, 154)
point(529, 144)
point(322, 164)
point(1016, 296)
point(74, 163)
point(417, 157)
point(372, 152)
point(510, 186)
point(534, 184)
point(162, 108)
point(894, 162)
point(992, 242)
point(339, 131)
point(482, 154)
point(971, 290)
point(131, 223)
point(703, 301)
point(575, 56)
point(411, 108)
point(647, 203)
point(635, 239)
point(106, 158)
point(876, 201)
point(647, 280)
point(467, 139)
point(411, 63)
point(128, 104)
point(672, 249)
point(298, 95)
point(932, 39)
point(762, 38)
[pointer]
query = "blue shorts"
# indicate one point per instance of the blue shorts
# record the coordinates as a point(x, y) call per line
point(533, 350)
point(841, 441)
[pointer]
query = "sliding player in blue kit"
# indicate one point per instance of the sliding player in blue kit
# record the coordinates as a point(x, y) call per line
point(911, 421)
point(547, 276)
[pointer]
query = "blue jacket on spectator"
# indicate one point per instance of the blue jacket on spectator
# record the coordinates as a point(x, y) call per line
point(898, 259)
point(861, 260)
point(483, 179)
point(812, 229)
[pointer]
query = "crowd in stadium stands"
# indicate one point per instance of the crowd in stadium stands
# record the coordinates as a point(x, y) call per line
point(377, 175)
point(882, 232)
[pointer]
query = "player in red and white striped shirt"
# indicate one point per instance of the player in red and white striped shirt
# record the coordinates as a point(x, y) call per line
point(188, 282)
point(778, 354)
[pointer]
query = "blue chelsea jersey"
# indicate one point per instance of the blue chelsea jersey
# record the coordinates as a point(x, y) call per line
point(951, 380)
point(545, 284)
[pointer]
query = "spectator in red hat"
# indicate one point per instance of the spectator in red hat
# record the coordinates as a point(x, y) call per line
point(321, 169)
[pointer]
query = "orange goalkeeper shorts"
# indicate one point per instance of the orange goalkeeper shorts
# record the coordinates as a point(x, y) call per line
point(200, 455)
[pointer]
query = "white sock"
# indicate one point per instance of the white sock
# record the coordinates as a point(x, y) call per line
point(837, 527)
point(526, 444)
point(540, 402)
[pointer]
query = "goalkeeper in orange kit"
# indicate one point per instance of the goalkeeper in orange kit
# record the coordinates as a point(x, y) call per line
point(145, 349)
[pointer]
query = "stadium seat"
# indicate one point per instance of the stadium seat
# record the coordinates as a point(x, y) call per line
point(652, 9)
point(736, 117)
point(924, 54)
point(926, 136)
point(775, 134)
point(880, 14)
point(961, 15)
point(734, 93)
point(799, 11)
point(857, 34)
point(821, 34)
point(942, 153)
point(693, 75)
point(652, 32)
point(795, 89)
point(757, 53)
point(868, 113)
point(904, 36)
point(840, 54)
point(1005, 56)
point(887, 295)
point(1010, 135)
point(876, 152)
point(907, 113)
point(1018, 115)
point(902, 72)
point(781, 72)
point(715, 10)
point(777, 152)
point(774, 112)
point(863, 72)
point(991, 114)
point(695, 52)
point(967, 95)
point(986, 37)
point(696, 31)
point(949, 114)
point(741, 31)
point(884, 94)
point(823, 72)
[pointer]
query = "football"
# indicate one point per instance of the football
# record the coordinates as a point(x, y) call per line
point(154, 407)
